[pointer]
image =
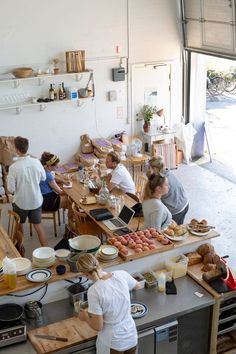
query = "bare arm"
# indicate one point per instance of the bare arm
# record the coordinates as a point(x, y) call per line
point(94, 321)
point(55, 187)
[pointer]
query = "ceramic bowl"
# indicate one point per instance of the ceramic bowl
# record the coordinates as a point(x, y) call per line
point(43, 253)
point(84, 243)
point(61, 269)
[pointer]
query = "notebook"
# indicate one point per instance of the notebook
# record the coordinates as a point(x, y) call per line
point(122, 220)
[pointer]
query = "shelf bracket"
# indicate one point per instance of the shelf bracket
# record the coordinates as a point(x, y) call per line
point(41, 81)
point(18, 110)
point(78, 77)
point(16, 83)
point(80, 103)
point(42, 107)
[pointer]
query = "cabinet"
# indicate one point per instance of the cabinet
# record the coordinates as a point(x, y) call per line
point(149, 139)
point(18, 93)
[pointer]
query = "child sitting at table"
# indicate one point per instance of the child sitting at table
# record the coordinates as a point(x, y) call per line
point(53, 198)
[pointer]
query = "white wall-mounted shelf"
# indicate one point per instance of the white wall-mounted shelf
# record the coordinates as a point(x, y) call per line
point(43, 105)
point(18, 106)
point(42, 78)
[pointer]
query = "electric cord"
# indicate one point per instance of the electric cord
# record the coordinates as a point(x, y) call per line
point(32, 292)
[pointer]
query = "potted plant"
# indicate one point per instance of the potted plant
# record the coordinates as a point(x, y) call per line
point(147, 113)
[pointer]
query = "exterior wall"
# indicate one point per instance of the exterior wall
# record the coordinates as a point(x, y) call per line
point(33, 33)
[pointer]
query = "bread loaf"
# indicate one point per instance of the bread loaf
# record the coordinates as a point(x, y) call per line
point(205, 248)
point(194, 258)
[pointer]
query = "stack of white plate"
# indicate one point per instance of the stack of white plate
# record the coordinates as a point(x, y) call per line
point(43, 257)
point(107, 253)
point(23, 265)
point(1, 272)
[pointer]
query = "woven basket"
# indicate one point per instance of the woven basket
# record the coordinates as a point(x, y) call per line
point(22, 72)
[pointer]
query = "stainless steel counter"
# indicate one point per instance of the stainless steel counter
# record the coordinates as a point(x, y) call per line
point(161, 309)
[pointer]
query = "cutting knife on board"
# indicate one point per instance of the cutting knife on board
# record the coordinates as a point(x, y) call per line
point(45, 336)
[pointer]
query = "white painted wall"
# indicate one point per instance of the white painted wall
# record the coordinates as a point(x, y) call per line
point(33, 32)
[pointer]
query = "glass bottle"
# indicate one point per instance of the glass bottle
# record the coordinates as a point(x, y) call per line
point(51, 93)
point(161, 282)
point(104, 191)
point(60, 93)
point(64, 90)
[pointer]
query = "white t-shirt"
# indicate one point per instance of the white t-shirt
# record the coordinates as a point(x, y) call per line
point(122, 178)
point(111, 299)
point(23, 180)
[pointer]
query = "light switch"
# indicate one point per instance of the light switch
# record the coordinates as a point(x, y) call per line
point(112, 95)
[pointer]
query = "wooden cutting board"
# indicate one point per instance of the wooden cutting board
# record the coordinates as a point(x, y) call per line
point(72, 328)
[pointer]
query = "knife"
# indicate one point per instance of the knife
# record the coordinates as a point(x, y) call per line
point(45, 336)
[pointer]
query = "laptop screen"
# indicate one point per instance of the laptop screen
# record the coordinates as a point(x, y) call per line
point(126, 214)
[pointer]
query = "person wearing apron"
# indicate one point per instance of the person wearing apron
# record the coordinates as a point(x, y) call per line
point(109, 307)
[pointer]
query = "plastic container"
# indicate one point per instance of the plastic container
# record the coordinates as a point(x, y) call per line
point(161, 282)
point(150, 279)
point(140, 279)
point(178, 265)
point(9, 269)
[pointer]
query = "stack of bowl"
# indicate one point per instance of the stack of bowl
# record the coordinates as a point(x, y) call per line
point(1, 272)
point(43, 257)
point(107, 253)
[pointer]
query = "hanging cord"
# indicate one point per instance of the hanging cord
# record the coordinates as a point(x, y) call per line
point(32, 292)
point(45, 292)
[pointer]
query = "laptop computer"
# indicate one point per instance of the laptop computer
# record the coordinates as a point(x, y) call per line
point(123, 219)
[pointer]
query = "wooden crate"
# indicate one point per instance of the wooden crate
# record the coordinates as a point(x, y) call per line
point(75, 61)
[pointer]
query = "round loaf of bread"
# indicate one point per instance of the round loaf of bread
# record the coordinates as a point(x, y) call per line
point(205, 248)
point(169, 231)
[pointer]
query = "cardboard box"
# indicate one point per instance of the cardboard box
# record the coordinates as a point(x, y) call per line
point(179, 157)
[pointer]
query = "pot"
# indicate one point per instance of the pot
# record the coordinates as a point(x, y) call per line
point(83, 93)
point(146, 127)
point(10, 312)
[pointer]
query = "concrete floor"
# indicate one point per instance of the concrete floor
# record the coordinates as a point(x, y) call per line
point(211, 196)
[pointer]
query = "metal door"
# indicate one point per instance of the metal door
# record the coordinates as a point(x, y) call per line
point(166, 338)
point(146, 339)
point(150, 85)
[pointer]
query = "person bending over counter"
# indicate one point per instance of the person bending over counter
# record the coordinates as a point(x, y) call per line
point(109, 307)
point(53, 198)
point(175, 199)
point(155, 212)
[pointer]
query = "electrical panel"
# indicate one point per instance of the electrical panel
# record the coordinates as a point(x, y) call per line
point(118, 74)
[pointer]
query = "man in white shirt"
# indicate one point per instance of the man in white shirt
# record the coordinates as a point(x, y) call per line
point(120, 176)
point(23, 180)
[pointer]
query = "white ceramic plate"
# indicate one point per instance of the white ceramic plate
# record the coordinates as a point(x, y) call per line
point(39, 275)
point(195, 233)
point(23, 265)
point(62, 253)
point(108, 250)
point(177, 238)
point(138, 309)
point(44, 265)
point(43, 253)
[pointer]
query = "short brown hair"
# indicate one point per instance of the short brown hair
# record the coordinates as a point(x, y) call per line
point(21, 144)
point(114, 156)
point(49, 159)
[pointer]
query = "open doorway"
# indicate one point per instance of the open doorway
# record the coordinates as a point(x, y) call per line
point(215, 102)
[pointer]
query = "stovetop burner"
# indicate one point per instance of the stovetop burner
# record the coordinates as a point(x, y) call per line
point(12, 332)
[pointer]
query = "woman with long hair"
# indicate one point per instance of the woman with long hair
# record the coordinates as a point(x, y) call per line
point(155, 212)
point(175, 199)
point(109, 307)
point(53, 198)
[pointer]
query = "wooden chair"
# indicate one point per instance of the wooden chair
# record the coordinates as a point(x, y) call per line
point(14, 231)
point(83, 224)
point(50, 215)
point(140, 185)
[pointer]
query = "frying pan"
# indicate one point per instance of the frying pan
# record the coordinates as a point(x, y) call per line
point(10, 312)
